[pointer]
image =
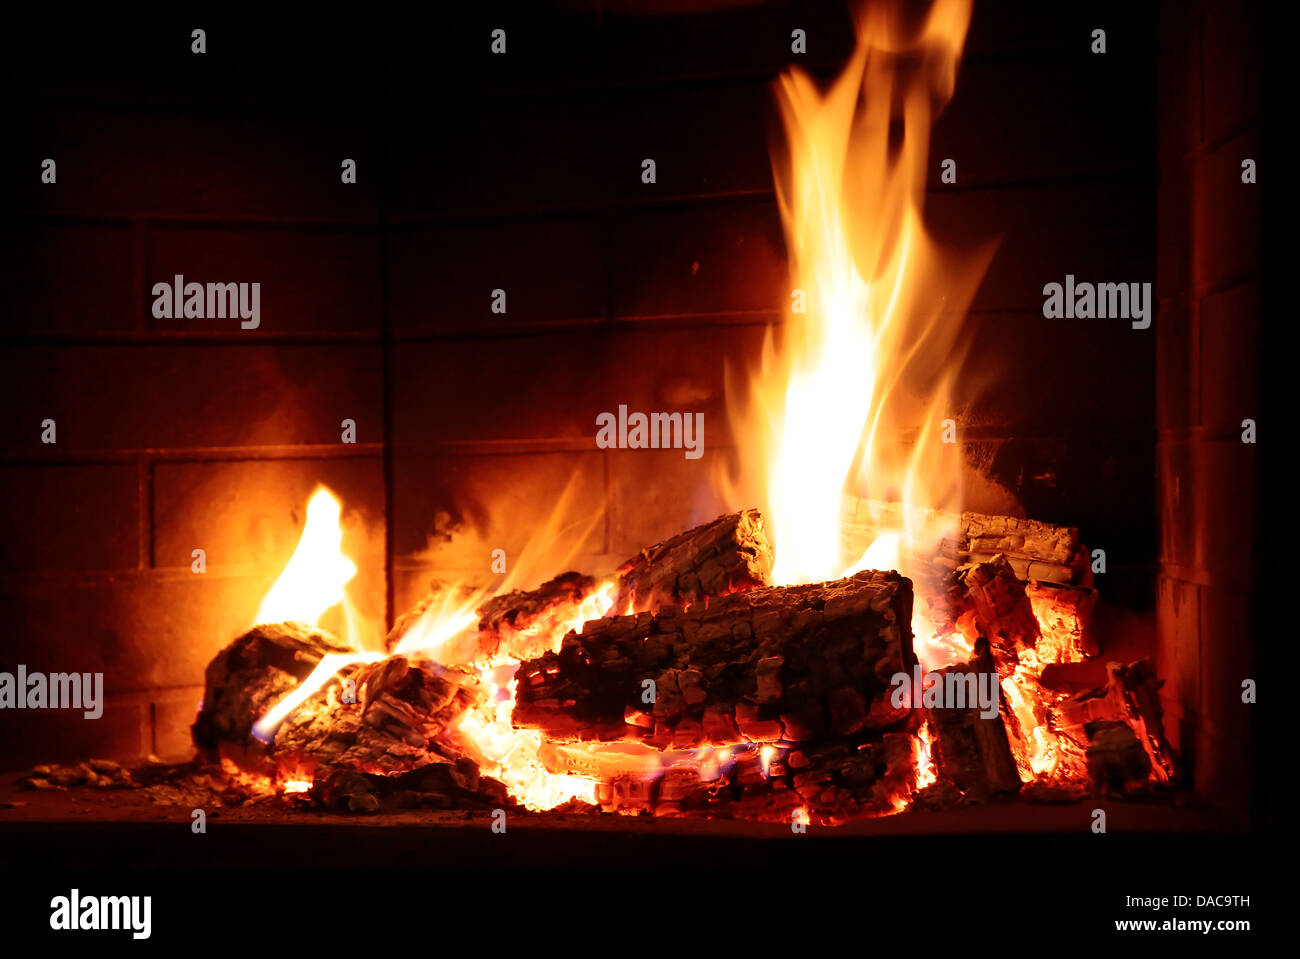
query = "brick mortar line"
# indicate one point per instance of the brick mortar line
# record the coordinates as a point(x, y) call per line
point(213, 454)
point(617, 204)
point(160, 338)
point(1167, 437)
point(361, 109)
point(160, 574)
point(1194, 576)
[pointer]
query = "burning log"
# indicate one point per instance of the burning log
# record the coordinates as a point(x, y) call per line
point(366, 736)
point(729, 555)
point(827, 783)
point(971, 751)
point(251, 675)
point(403, 716)
point(436, 785)
point(1130, 697)
point(1064, 614)
point(523, 623)
point(985, 535)
point(382, 717)
point(987, 600)
point(793, 663)
point(1036, 550)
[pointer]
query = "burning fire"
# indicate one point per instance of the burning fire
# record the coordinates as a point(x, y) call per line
point(852, 395)
point(875, 304)
point(513, 755)
point(312, 582)
point(838, 404)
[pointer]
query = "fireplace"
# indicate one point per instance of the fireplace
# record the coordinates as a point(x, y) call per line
point(576, 349)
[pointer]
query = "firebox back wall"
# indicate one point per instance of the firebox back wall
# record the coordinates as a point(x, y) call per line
point(478, 173)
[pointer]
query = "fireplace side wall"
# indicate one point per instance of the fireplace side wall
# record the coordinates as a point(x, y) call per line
point(1208, 335)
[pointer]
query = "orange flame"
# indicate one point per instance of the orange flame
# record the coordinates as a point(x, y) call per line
point(312, 582)
point(315, 575)
point(926, 775)
point(513, 755)
point(508, 754)
point(876, 304)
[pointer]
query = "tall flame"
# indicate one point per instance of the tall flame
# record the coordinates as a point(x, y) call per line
point(876, 304)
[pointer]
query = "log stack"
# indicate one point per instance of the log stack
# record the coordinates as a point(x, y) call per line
point(706, 691)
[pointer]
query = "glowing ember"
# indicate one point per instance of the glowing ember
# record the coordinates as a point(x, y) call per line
point(508, 754)
point(297, 786)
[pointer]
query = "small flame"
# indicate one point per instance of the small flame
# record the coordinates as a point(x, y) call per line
point(312, 582)
point(925, 771)
point(314, 578)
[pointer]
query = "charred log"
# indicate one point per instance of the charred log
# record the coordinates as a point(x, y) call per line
point(825, 783)
point(982, 534)
point(729, 555)
point(436, 785)
point(797, 664)
point(1064, 615)
point(1035, 550)
point(1117, 761)
point(1130, 696)
point(987, 600)
point(250, 676)
point(523, 623)
point(971, 750)
point(403, 716)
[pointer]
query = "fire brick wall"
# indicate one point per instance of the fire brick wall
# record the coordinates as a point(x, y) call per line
point(1209, 341)
point(177, 434)
point(476, 173)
